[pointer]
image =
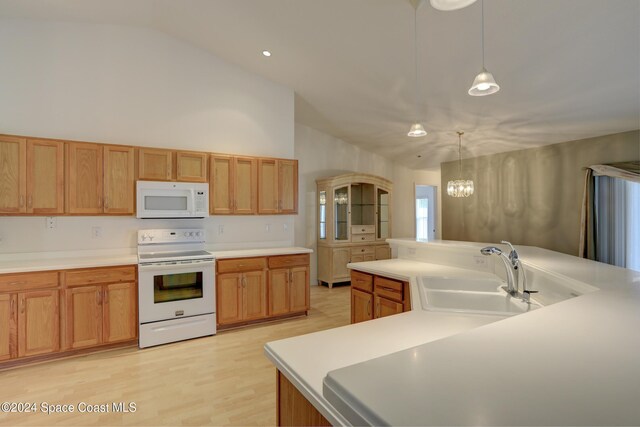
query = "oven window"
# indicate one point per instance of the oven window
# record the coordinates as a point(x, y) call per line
point(165, 203)
point(177, 287)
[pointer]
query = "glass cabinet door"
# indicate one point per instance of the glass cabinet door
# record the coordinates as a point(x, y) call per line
point(383, 214)
point(341, 217)
point(322, 215)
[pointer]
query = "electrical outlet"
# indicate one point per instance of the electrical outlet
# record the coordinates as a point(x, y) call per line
point(285, 227)
point(267, 228)
point(220, 230)
point(96, 232)
point(51, 222)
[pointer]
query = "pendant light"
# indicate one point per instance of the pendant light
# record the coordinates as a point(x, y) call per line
point(417, 130)
point(460, 187)
point(484, 83)
point(447, 5)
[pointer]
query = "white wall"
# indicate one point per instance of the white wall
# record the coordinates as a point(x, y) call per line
point(125, 85)
point(321, 155)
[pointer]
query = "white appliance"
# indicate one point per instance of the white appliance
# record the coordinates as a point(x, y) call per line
point(157, 199)
point(176, 286)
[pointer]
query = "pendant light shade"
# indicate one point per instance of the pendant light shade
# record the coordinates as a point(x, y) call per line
point(484, 84)
point(417, 130)
point(460, 187)
point(447, 5)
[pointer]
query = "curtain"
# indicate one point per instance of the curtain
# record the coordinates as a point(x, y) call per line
point(628, 171)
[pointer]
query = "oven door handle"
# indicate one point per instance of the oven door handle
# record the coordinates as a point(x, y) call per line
point(178, 266)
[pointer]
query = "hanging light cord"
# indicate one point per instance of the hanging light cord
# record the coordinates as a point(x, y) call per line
point(460, 154)
point(482, 7)
point(415, 58)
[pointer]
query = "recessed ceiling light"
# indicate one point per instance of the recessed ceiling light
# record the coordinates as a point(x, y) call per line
point(266, 53)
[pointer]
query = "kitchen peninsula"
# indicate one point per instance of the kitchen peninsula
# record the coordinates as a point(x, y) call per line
point(573, 362)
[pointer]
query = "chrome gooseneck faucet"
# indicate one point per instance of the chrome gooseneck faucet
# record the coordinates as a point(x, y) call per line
point(513, 267)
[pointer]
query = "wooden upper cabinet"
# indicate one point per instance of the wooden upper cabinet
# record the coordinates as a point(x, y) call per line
point(119, 179)
point(278, 186)
point(267, 186)
point(85, 194)
point(191, 166)
point(245, 179)
point(155, 164)
point(45, 176)
point(13, 174)
point(221, 196)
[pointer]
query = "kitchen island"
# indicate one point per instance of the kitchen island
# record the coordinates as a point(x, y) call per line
point(569, 363)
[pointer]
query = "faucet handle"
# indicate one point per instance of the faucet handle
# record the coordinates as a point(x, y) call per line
point(513, 255)
point(526, 295)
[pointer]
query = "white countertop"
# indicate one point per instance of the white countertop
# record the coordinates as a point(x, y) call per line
point(43, 261)
point(571, 363)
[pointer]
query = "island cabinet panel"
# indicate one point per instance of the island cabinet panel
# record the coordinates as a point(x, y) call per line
point(374, 296)
point(85, 182)
point(8, 326)
point(119, 179)
point(292, 408)
point(191, 166)
point(38, 322)
point(13, 174)
point(155, 164)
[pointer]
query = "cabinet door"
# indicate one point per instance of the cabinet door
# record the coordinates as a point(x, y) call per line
point(299, 289)
point(383, 252)
point(13, 176)
point(340, 259)
point(45, 177)
point(8, 324)
point(191, 167)
point(361, 306)
point(245, 178)
point(267, 186)
point(38, 322)
point(288, 186)
point(84, 316)
point(120, 318)
point(154, 164)
point(278, 291)
point(387, 307)
point(85, 178)
point(221, 185)
point(255, 295)
point(229, 298)
point(119, 179)
point(357, 258)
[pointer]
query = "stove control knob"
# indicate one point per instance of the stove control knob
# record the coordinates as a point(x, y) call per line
point(191, 234)
point(199, 234)
point(143, 237)
point(186, 234)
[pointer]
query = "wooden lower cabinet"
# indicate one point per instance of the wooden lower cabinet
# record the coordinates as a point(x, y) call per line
point(241, 297)
point(8, 326)
point(375, 296)
point(333, 260)
point(38, 322)
point(261, 288)
point(101, 314)
point(292, 408)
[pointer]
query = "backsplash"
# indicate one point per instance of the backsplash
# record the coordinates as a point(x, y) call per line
point(31, 234)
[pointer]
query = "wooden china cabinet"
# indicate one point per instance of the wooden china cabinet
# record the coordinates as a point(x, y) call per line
point(353, 223)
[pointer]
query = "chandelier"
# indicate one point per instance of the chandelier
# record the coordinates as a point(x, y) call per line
point(460, 187)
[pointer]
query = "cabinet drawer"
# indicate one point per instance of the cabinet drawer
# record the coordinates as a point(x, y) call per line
point(388, 288)
point(363, 237)
point(241, 264)
point(27, 281)
point(361, 281)
point(288, 260)
point(362, 250)
point(363, 229)
point(99, 275)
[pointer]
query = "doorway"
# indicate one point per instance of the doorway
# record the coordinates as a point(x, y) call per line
point(426, 198)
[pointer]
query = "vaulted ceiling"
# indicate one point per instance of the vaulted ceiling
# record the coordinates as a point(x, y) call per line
point(568, 69)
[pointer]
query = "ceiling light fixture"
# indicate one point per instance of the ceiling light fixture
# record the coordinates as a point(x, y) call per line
point(460, 187)
point(266, 53)
point(447, 5)
point(484, 83)
point(417, 130)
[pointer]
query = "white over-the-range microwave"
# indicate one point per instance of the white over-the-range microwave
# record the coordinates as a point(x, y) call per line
point(156, 199)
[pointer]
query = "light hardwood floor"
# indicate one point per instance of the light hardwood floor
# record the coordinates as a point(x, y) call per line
point(219, 380)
